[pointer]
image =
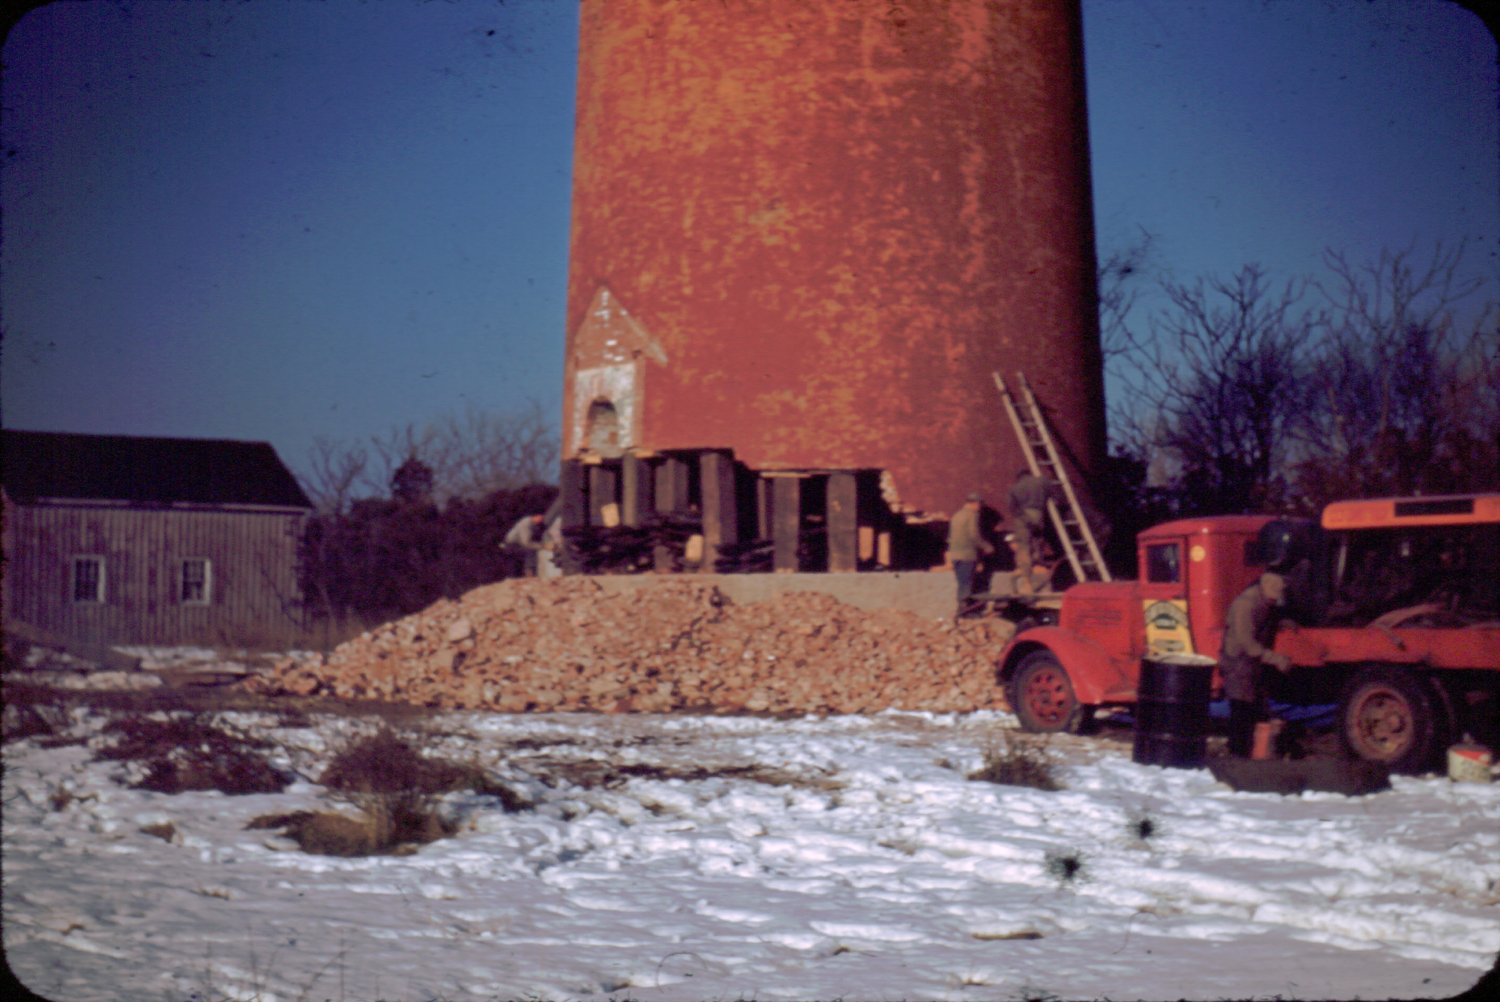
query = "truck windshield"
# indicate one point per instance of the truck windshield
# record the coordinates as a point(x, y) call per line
point(1455, 569)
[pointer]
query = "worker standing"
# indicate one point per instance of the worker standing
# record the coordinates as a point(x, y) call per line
point(1249, 629)
point(1028, 508)
point(527, 539)
point(965, 542)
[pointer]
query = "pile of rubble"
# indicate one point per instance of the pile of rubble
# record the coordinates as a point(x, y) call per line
point(567, 644)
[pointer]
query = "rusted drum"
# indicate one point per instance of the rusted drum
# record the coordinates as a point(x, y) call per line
point(1171, 710)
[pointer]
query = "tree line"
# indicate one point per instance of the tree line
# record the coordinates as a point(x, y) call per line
point(1248, 394)
point(421, 514)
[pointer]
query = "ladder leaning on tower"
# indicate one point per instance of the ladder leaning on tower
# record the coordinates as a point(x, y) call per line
point(1030, 426)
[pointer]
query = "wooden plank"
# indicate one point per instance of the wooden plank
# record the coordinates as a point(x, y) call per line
point(635, 490)
point(786, 523)
point(603, 488)
point(842, 507)
point(572, 494)
point(671, 486)
point(720, 513)
point(763, 528)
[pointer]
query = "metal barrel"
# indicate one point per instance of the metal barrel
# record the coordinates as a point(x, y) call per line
point(1171, 712)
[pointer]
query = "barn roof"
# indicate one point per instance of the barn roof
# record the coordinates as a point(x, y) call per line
point(44, 464)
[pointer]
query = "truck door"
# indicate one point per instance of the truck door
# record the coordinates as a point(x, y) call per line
point(1164, 605)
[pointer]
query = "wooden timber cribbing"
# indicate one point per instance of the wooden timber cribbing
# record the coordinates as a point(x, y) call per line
point(567, 644)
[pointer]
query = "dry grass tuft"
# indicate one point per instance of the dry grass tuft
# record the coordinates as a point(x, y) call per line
point(397, 791)
point(1018, 760)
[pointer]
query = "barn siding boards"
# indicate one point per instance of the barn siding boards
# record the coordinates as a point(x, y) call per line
point(254, 599)
point(142, 506)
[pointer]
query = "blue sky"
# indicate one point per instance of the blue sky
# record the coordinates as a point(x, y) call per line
point(279, 219)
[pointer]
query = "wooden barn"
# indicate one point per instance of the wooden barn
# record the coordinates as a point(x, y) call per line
point(151, 541)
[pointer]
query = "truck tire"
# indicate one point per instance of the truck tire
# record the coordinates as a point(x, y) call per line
point(1390, 715)
point(1041, 695)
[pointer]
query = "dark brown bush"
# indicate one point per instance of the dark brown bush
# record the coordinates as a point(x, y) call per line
point(182, 753)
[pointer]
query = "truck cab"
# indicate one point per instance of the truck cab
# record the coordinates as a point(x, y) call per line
point(1188, 572)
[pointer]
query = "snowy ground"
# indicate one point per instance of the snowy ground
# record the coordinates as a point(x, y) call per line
point(874, 870)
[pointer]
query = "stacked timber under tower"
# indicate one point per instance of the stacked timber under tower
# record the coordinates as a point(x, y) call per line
point(805, 234)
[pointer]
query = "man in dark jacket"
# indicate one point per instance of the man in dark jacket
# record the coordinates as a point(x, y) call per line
point(1028, 507)
point(1249, 630)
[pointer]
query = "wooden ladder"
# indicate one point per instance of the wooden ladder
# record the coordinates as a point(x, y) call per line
point(1042, 459)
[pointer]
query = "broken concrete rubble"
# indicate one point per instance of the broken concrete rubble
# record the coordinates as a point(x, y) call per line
point(532, 645)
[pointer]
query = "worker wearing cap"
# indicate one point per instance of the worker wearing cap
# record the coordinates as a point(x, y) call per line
point(1249, 630)
point(965, 542)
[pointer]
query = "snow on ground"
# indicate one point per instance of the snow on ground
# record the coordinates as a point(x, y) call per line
point(876, 870)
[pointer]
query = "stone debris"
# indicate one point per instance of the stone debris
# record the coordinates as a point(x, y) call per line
point(536, 645)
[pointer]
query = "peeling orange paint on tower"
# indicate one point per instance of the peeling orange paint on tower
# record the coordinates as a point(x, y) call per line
point(809, 230)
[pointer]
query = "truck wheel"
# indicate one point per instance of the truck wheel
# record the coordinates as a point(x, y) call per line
point(1041, 694)
point(1389, 715)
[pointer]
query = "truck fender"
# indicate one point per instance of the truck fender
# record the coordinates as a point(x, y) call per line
point(1090, 667)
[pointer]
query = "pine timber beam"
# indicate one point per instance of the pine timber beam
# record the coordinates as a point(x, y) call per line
point(786, 523)
point(572, 490)
point(635, 490)
point(842, 508)
point(603, 481)
point(720, 514)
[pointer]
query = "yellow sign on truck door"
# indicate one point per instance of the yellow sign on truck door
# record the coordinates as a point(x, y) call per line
point(1167, 627)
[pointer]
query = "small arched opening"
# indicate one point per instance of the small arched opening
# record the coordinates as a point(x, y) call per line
point(603, 429)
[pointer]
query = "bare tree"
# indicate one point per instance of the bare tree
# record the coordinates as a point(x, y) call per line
point(1214, 393)
point(1119, 292)
point(337, 471)
point(476, 453)
point(1405, 390)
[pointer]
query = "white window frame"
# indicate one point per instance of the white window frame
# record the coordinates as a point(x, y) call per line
point(77, 561)
point(206, 598)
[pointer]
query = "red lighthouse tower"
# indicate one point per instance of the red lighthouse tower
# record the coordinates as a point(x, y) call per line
point(806, 232)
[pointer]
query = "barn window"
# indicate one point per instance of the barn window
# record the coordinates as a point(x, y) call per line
point(88, 579)
point(197, 581)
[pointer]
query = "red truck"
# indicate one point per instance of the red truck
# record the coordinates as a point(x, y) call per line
point(1393, 615)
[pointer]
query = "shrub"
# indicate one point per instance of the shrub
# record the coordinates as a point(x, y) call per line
point(395, 788)
point(1018, 760)
point(182, 753)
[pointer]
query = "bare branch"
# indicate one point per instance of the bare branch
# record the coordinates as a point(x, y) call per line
point(337, 471)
